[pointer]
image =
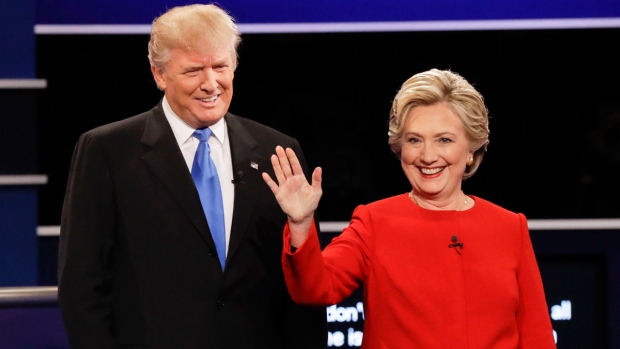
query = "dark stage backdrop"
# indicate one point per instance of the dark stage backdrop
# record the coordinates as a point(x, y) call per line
point(552, 95)
point(555, 132)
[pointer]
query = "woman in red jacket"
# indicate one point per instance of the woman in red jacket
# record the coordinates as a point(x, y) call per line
point(439, 268)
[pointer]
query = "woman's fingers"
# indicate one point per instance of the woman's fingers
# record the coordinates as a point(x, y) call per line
point(297, 198)
point(277, 169)
point(317, 178)
point(294, 161)
point(285, 165)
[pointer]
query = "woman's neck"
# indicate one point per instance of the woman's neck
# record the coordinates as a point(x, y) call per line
point(457, 202)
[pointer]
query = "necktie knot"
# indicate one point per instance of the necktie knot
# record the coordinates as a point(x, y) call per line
point(203, 134)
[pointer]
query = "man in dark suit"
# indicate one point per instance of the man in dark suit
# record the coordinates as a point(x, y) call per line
point(139, 266)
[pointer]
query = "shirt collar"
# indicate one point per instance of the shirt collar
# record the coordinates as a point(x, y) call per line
point(219, 130)
point(183, 132)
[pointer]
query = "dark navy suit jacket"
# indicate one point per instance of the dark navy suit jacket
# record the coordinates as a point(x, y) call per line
point(138, 267)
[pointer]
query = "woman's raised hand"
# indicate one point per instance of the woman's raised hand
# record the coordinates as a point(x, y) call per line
point(297, 198)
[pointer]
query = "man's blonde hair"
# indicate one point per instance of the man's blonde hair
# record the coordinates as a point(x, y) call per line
point(192, 28)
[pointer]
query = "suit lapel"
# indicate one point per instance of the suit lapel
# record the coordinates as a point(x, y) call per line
point(242, 146)
point(166, 161)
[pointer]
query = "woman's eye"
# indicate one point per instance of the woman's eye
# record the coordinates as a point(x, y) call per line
point(413, 140)
point(445, 140)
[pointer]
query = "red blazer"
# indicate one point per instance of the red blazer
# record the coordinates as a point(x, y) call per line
point(420, 293)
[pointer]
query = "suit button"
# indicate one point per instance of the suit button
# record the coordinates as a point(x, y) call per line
point(220, 303)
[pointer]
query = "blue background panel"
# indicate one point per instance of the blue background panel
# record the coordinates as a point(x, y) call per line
point(17, 47)
point(318, 11)
point(33, 327)
point(18, 236)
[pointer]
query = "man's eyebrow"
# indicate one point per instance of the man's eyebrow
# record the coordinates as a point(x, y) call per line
point(192, 67)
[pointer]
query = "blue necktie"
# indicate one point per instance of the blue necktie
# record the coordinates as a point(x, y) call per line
point(207, 182)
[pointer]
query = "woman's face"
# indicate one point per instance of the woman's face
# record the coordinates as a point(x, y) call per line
point(434, 152)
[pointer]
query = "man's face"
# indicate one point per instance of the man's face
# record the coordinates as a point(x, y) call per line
point(198, 85)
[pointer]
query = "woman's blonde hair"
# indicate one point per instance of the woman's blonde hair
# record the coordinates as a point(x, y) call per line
point(192, 27)
point(442, 86)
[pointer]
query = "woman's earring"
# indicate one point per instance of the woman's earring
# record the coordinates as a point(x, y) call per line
point(470, 160)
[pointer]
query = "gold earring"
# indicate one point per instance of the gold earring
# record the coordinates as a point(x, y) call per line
point(470, 160)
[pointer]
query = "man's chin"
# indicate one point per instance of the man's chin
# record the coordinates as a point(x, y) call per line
point(211, 118)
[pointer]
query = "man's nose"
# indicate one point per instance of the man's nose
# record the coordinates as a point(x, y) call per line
point(209, 82)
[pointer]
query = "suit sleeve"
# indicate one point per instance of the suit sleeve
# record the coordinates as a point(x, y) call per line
point(533, 321)
point(328, 277)
point(86, 241)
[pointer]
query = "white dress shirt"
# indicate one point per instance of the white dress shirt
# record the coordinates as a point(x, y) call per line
point(220, 154)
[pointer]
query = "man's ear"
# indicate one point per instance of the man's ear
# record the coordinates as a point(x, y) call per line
point(159, 78)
